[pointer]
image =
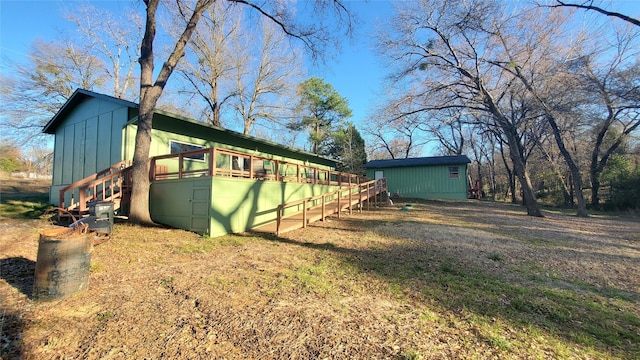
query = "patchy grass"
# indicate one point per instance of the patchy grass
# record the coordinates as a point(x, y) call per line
point(23, 207)
point(444, 280)
point(23, 198)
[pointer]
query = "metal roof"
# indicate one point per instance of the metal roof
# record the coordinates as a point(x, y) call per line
point(421, 161)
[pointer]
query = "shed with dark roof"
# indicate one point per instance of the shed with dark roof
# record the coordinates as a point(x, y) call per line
point(435, 177)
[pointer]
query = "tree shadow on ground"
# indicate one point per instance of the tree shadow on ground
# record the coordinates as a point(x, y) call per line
point(11, 336)
point(19, 272)
point(519, 292)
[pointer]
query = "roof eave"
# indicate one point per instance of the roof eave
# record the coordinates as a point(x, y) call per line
point(74, 99)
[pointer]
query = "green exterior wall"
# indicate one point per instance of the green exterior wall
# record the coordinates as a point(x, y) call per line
point(217, 206)
point(87, 141)
point(167, 129)
point(183, 204)
point(425, 182)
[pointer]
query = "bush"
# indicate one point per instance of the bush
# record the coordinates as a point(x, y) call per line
point(625, 194)
point(9, 165)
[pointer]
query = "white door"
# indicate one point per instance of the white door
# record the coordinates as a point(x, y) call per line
point(379, 174)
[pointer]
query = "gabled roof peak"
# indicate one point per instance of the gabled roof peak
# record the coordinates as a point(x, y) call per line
point(76, 98)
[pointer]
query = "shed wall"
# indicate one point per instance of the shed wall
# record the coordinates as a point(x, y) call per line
point(425, 182)
point(89, 140)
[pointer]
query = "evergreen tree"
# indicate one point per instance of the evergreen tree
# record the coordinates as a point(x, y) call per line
point(348, 146)
point(321, 108)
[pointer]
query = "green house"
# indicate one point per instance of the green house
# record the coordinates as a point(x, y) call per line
point(94, 132)
point(439, 177)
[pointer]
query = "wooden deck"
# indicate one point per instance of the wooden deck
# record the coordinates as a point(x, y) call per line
point(318, 212)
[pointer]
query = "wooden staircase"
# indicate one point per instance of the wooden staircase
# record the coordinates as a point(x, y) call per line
point(112, 184)
point(298, 214)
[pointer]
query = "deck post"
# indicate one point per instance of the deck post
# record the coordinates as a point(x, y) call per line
point(152, 169)
point(376, 191)
point(82, 198)
point(278, 219)
point(304, 214)
point(323, 196)
point(251, 167)
point(212, 163)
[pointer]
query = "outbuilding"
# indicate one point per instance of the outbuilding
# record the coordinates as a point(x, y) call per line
point(436, 177)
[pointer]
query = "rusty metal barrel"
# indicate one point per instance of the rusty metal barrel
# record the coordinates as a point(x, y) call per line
point(63, 263)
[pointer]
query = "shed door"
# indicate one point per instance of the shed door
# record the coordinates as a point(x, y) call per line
point(200, 204)
point(379, 174)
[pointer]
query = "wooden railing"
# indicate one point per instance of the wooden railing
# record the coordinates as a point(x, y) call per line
point(222, 162)
point(111, 184)
point(358, 193)
point(114, 183)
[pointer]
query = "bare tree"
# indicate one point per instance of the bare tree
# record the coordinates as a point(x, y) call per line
point(486, 150)
point(534, 55)
point(265, 89)
point(212, 62)
point(314, 36)
point(395, 137)
point(112, 40)
point(39, 88)
point(443, 49)
point(612, 100)
point(448, 126)
point(98, 55)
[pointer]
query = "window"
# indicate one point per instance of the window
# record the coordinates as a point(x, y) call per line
point(454, 172)
point(178, 147)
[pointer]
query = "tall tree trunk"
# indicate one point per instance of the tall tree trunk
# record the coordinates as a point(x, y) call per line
point(573, 167)
point(139, 208)
point(516, 153)
point(595, 190)
point(215, 121)
point(316, 146)
point(511, 179)
point(520, 172)
point(149, 94)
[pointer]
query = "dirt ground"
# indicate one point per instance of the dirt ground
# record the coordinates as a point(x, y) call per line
point(351, 288)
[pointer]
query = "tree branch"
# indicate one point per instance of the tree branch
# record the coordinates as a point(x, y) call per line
point(588, 6)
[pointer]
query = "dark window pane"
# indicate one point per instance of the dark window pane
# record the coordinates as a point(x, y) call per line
point(454, 172)
point(178, 147)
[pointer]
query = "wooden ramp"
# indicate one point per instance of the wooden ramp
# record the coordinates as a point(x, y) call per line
point(298, 214)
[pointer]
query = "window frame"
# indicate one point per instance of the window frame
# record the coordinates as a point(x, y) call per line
point(454, 172)
point(193, 148)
